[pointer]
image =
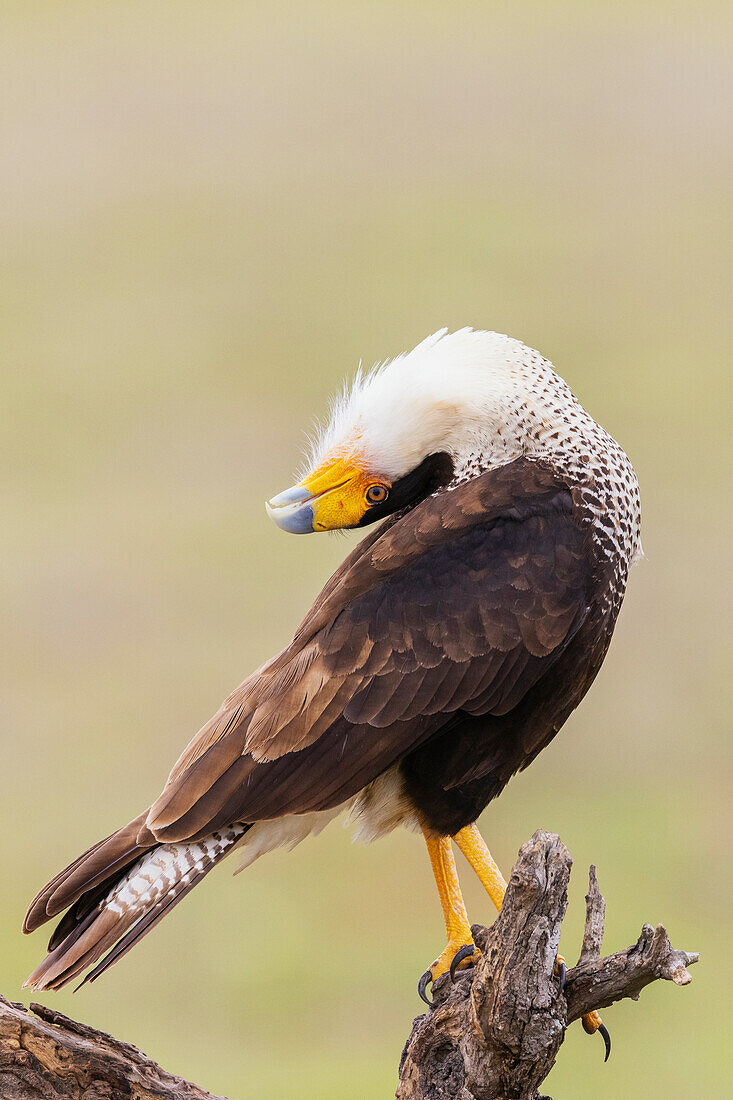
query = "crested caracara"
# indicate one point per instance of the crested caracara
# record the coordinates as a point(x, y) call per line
point(440, 658)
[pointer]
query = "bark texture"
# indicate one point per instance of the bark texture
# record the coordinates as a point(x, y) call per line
point(494, 1034)
point(45, 1055)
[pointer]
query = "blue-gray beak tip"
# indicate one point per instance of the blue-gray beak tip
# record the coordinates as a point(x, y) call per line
point(292, 510)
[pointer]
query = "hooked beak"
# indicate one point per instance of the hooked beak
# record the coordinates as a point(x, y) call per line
point(336, 495)
point(292, 510)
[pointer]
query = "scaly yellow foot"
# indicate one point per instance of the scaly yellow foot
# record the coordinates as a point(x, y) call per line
point(591, 1022)
point(460, 947)
point(454, 956)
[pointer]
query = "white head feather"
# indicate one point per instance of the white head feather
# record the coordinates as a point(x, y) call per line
point(485, 399)
point(460, 393)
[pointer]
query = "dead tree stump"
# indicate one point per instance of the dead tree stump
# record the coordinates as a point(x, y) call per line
point(494, 1034)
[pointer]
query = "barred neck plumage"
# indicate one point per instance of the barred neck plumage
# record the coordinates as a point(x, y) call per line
point(484, 399)
point(541, 418)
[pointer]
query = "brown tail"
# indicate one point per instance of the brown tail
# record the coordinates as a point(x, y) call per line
point(117, 891)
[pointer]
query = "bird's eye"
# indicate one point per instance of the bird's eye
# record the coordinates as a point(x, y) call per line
point(377, 494)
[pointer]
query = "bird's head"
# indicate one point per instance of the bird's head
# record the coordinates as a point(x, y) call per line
point(401, 431)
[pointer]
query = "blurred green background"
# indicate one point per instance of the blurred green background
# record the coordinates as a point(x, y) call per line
point(209, 214)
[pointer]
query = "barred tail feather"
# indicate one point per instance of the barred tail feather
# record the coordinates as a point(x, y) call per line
point(112, 916)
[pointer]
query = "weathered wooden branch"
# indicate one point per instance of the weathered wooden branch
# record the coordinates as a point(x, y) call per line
point(45, 1056)
point(494, 1034)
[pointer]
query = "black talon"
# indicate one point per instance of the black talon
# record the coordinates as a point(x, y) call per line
point(562, 971)
point(606, 1039)
point(461, 954)
point(422, 985)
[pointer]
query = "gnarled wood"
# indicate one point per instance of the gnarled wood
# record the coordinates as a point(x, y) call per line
point(495, 1033)
point(46, 1056)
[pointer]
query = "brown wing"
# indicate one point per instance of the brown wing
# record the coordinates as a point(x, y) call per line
point(461, 604)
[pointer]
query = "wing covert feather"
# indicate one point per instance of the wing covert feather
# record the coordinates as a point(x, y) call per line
point(461, 604)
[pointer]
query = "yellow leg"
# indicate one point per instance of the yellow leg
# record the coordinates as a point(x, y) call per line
point(474, 848)
point(457, 928)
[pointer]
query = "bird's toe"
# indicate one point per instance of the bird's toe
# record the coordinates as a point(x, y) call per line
point(455, 956)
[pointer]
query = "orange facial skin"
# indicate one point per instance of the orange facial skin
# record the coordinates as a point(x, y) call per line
point(339, 489)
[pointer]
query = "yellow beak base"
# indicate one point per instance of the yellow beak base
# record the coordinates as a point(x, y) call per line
point(332, 497)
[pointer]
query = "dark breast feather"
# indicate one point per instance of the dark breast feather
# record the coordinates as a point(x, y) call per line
point(431, 645)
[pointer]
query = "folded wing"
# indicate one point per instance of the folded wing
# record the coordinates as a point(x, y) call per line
point(459, 605)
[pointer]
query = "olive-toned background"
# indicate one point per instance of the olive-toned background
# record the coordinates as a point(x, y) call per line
point(209, 213)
